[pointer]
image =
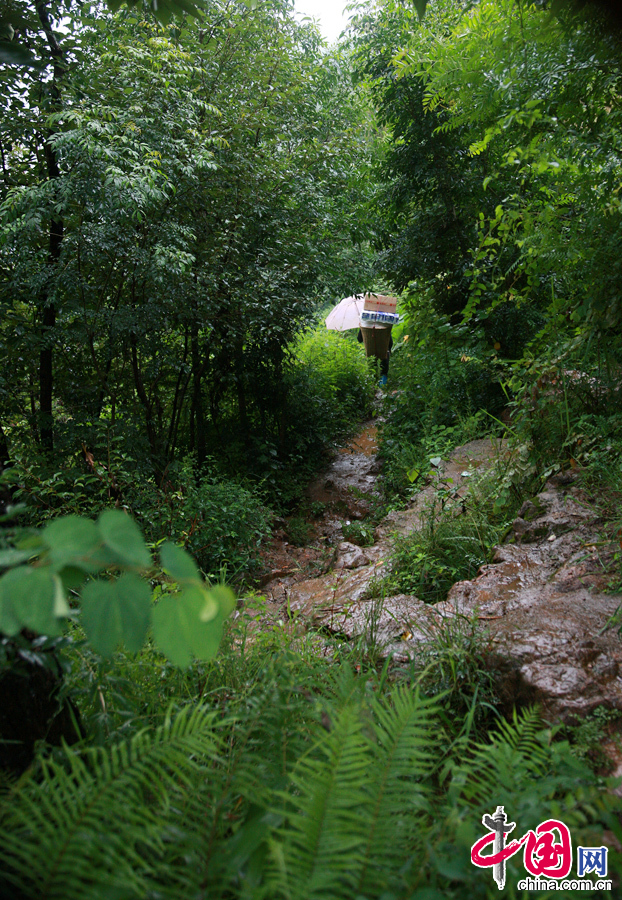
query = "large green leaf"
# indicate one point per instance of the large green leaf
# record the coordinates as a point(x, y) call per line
point(178, 563)
point(116, 612)
point(9, 623)
point(14, 54)
point(73, 541)
point(224, 597)
point(28, 599)
point(122, 535)
point(189, 623)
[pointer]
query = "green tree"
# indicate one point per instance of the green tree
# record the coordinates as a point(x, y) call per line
point(207, 187)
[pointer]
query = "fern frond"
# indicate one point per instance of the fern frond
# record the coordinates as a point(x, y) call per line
point(93, 823)
point(513, 756)
point(405, 754)
point(359, 799)
point(320, 850)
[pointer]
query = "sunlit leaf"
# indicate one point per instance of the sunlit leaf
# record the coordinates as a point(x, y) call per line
point(180, 627)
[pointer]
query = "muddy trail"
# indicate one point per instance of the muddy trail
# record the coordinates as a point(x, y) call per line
point(542, 602)
point(341, 498)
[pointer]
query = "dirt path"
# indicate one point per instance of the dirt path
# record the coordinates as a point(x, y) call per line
point(326, 581)
point(542, 602)
point(305, 547)
point(341, 600)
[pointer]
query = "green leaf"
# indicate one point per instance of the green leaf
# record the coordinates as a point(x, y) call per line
point(72, 541)
point(224, 597)
point(178, 563)
point(11, 557)
point(181, 628)
point(122, 535)
point(13, 54)
point(116, 612)
point(28, 597)
point(9, 623)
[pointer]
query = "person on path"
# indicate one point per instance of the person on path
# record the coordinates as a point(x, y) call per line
point(384, 363)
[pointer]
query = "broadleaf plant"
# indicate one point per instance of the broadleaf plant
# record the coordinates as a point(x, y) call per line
point(102, 562)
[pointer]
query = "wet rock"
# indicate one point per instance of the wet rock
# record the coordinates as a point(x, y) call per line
point(332, 592)
point(551, 514)
point(392, 625)
point(351, 557)
point(542, 604)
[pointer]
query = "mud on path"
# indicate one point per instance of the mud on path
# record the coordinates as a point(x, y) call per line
point(542, 602)
point(306, 546)
point(323, 582)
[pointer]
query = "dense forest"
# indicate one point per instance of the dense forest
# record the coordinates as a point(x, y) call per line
point(186, 189)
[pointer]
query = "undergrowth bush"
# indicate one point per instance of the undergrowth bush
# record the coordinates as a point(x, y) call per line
point(452, 665)
point(220, 522)
point(330, 390)
point(445, 389)
point(456, 536)
point(285, 778)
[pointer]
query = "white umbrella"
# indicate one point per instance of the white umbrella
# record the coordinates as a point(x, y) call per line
point(346, 314)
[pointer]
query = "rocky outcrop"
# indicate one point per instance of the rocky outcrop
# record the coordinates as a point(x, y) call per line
point(542, 598)
point(542, 603)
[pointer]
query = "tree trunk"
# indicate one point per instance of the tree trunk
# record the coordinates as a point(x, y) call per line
point(197, 398)
point(46, 361)
point(5, 456)
point(55, 237)
point(144, 399)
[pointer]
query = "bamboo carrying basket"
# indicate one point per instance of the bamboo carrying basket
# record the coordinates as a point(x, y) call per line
point(376, 341)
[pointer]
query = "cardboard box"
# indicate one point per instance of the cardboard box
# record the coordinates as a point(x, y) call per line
point(380, 303)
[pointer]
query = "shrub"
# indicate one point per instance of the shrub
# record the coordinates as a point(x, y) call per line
point(330, 389)
point(220, 522)
point(361, 533)
point(444, 385)
point(454, 541)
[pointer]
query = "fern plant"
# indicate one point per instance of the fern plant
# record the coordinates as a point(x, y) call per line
point(309, 786)
point(356, 800)
point(89, 824)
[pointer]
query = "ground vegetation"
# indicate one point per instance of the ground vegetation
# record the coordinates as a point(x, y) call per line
point(180, 197)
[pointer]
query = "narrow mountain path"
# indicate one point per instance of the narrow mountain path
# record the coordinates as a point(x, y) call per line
point(304, 547)
point(542, 604)
point(344, 600)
